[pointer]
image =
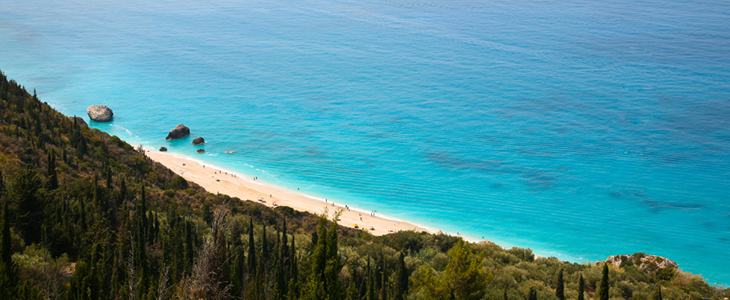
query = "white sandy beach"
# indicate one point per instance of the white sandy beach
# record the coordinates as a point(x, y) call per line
point(214, 181)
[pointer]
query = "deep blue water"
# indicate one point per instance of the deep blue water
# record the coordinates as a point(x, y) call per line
point(580, 129)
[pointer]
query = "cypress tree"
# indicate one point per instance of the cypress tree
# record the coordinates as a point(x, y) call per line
point(533, 294)
point(237, 276)
point(504, 294)
point(401, 279)
point(96, 202)
point(581, 288)
point(82, 208)
point(143, 215)
point(189, 252)
point(276, 287)
point(108, 177)
point(657, 293)
point(603, 292)
point(293, 273)
point(383, 278)
point(371, 282)
point(2, 184)
point(332, 267)
point(284, 247)
point(122, 191)
point(251, 251)
point(560, 286)
point(7, 274)
point(281, 261)
point(317, 282)
point(264, 248)
point(52, 182)
point(6, 254)
point(315, 239)
point(28, 206)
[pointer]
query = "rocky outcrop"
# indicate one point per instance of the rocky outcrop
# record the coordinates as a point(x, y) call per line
point(198, 141)
point(201, 150)
point(647, 263)
point(100, 113)
point(79, 120)
point(180, 131)
point(163, 149)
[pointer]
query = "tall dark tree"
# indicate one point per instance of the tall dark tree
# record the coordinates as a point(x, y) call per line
point(265, 255)
point(581, 288)
point(332, 267)
point(560, 286)
point(189, 252)
point(657, 293)
point(603, 291)
point(251, 250)
point(401, 278)
point(2, 184)
point(293, 273)
point(122, 191)
point(317, 286)
point(533, 294)
point(52, 181)
point(7, 269)
point(371, 282)
point(28, 206)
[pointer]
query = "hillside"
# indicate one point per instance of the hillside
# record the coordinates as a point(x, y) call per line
point(87, 216)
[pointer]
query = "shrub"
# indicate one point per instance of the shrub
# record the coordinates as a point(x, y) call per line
point(665, 274)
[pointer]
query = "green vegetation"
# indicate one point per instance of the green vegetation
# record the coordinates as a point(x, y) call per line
point(87, 216)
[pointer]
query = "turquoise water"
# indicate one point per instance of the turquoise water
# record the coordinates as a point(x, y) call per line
point(580, 129)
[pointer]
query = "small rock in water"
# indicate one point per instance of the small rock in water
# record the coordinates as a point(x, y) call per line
point(163, 149)
point(201, 150)
point(100, 113)
point(198, 141)
point(180, 131)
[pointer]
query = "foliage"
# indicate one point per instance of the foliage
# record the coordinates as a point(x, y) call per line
point(86, 216)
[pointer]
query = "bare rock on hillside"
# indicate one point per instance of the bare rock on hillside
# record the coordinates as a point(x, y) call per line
point(198, 141)
point(100, 113)
point(79, 120)
point(180, 131)
point(645, 262)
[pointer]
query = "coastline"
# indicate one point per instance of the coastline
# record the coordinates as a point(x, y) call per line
point(215, 179)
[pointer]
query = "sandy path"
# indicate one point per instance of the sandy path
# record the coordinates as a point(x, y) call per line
point(246, 188)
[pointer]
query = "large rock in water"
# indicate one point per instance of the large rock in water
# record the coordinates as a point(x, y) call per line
point(180, 131)
point(163, 149)
point(100, 113)
point(198, 141)
point(200, 150)
point(645, 262)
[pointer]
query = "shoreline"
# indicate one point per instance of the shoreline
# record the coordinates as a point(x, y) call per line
point(215, 179)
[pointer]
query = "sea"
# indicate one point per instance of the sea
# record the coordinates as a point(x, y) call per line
point(578, 128)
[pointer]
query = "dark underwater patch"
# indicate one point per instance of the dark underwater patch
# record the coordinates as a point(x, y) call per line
point(536, 179)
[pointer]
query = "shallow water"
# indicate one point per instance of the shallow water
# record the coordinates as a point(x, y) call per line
point(580, 129)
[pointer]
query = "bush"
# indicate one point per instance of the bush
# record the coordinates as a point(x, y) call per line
point(665, 274)
point(178, 183)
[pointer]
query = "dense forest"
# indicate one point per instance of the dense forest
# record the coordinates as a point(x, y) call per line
point(87, 216)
